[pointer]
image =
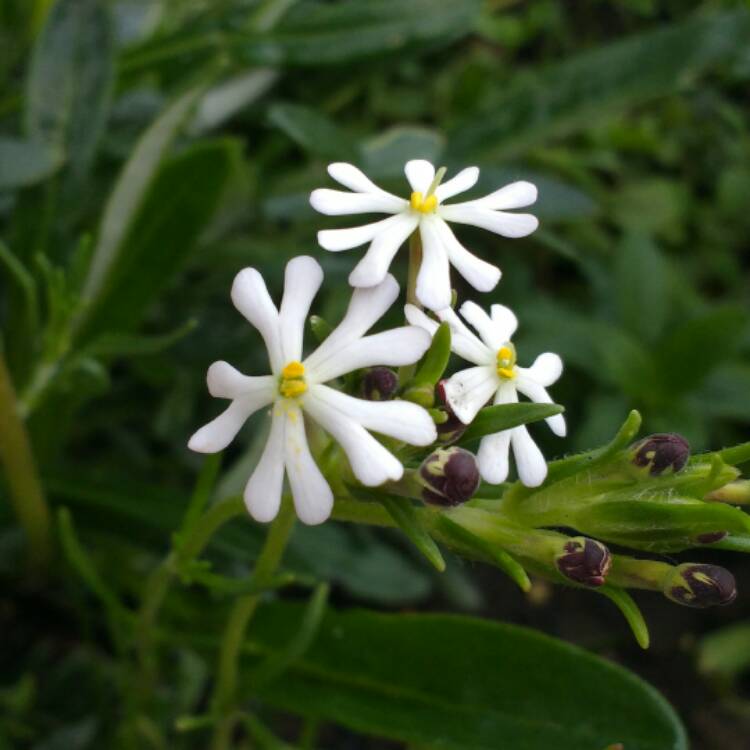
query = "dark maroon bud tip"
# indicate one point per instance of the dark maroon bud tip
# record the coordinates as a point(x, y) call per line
point(449, 476)
point(711, 537)
point(660, 453)
point(585, 561)
point(698, 585)
point(379, 384)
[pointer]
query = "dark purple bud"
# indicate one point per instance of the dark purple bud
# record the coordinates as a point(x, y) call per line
point(379, 384)
point(584, 561)
point(452, 428)
point(449, 476)
point(698, 585)
point(660, 453)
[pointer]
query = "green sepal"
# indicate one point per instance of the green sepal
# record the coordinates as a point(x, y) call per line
point(320, 327)
point(630, 610)
point(493, 419)
point(421, 388)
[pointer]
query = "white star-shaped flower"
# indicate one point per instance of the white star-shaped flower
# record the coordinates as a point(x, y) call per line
point(296, 390)
point(426, 210)
point(496, 374)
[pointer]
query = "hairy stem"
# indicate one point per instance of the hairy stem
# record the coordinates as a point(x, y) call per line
point(26, 493)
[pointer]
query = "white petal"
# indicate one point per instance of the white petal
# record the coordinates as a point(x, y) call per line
point(481, 275)
point(416, 317)
point(546, 369)
point(434, 278)
point(530, 463)
point(225, 381)
point(218, 433)
point(367, 306)
point(484, 325)
point(463, 181)
point(394, 348)
point(537, 393)
point(353, 178)
point(313, 499)
point(420, 174)
point(505, 224)
point(505, 321)
point(302, 279)
point(371, 463)
point(465, 342)
point(469, 390)
point(402, 420)
point(493, 457)
point(374, 266)
point(263, 489)
point(345, 239)
point(516, 195)
point(339, 203)
point(250, 296)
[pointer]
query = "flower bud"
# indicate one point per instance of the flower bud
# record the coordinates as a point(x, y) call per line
point(584, 561)
point(660, 453)
point(452, 428)
point(698, 585)
point(449, 476)
point(379, 384)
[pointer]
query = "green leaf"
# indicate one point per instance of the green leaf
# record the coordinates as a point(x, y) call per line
point(493, 419)
point(119, 344)
point(587, 88)
point(725, 652)
point(68, 90)
point(313, 132)
point(460, 683)
point(24, 163)
point(630, 611)
point(401, 510)
point(177, 208)
point(385, 155)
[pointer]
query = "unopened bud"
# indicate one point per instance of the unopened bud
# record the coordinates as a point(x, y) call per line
point(661, 453)
point(585, 561)
point(698, 585)
point(451, 428)
point(379, 384)
point(449, 476)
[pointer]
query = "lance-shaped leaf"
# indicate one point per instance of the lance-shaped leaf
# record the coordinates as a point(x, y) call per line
point(421, 388)
point(493, 419)
point(630, 610)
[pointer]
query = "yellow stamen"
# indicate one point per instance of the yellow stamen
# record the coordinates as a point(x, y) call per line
point(506, 361)
point(424, 205)
point(292, 382)
point(293, 370)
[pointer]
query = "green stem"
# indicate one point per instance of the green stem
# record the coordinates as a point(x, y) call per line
point(239, 619)
point(26, 493)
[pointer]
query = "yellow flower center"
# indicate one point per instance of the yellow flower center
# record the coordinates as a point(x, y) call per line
point(506, 361)
point(424, 205)
point(292, 382)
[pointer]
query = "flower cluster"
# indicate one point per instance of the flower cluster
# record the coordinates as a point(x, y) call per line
point(301, 391)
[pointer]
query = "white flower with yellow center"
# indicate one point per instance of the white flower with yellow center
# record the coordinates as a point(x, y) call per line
point(427, 211)
point(296, 390)
point(496, 374)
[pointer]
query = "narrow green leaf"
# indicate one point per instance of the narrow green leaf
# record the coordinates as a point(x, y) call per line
point(123, 344)
point(402, 512)
point(737, 454)
point(493, 419)
point(313, 131)
point(68, 91)
point(384, 155)
point(435, 360)
point(734, 543)
point(630, 610)
point(24, 163)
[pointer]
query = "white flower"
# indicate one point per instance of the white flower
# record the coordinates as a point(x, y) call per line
point(426, 210)
point(296, 387)
point(496, 374)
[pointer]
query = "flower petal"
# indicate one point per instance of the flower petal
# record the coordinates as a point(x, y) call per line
point(302, 279)
point(493, 457)
point(218, 433)
point(420, 174)
point(469, 390)
point(481, 275)
point(339, 203)
point(402, 420)
point(465, 342)
point(483, 324)
point(367, 306)
point(353, 178)
point(530, 463)
point(345, 239)
point(505, 321)
point(225, 381)
point(313, 499)
point(393, 348)
point(374, 266)
point(434, 278)
point(371, 462)
point(505, 224)
point(546, 369)
point(463, 181)
point(516, 195)
point(263, 489)
point(250, 296)
point(537, 393)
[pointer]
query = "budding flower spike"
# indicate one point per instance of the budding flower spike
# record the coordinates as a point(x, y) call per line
point(496, 374)
point(295, 389)
point(426, 212)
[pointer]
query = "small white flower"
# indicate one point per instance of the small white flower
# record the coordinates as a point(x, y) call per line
point(296, 386)
point(426, 210)
point(496, 374)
